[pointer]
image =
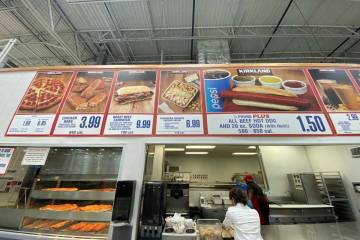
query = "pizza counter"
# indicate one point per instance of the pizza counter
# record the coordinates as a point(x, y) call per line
point(66, 196)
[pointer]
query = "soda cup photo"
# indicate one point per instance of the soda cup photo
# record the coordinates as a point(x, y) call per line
point(216, 81)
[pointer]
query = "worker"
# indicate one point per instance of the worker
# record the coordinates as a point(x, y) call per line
point(244, 220)
point(244, 187)
point(259, 199)
point(239, 182)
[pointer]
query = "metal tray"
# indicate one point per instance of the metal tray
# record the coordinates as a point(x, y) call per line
point(76, 216)
point(176, 82)
point(66, 234)
point(76, 195)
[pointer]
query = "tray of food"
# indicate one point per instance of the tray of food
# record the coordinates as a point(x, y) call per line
point(65, 226)
point(228, 233)
point(209, 229)
point(179, 93)
point(68, 211)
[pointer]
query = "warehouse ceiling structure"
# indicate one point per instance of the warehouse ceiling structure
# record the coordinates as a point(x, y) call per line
point(68, 32)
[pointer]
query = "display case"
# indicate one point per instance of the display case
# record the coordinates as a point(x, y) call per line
point(73, 193)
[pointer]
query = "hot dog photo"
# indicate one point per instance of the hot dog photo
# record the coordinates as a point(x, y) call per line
point(266, 90)
point(134, 92)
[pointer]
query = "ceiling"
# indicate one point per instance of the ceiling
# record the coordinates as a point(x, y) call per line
point(67, 32)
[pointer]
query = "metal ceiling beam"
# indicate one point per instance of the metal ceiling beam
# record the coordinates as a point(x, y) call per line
point(130, 54)
point(253, 29)
point(19, 42)
point(351, 46)
point(118, 46)
point(151, 17)
point(7, 9)
point(218, 36)
point(67, 20)
point(98, 1)
point(276, 28)
point(5, 51)
point(31, 30)
point(192, 28)
point(342, 43)
point(221, 32)
point(32, 10)
point(238, 18)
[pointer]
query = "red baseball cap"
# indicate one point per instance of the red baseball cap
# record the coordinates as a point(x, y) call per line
point(248, 178)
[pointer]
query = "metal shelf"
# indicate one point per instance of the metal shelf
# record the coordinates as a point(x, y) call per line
point(66, 234)
point(332, 188)
point(75, 216)
point(77, 178)
point(76, 195)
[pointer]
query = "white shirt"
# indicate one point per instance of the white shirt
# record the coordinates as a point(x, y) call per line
point(245, 221)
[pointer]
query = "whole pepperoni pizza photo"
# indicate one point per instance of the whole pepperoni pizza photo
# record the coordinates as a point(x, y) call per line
point(45, 93)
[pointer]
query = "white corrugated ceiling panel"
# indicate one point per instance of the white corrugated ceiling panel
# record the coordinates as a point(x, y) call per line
point(246, 45)
point(9, 25)
point(261, 12)
point(27, 57)
point(324, 12)
point(130, 15)
point(215, 13)
point(171, 13)
point(43, 8)
point(144, 48)
point(87, 16)
point(317, 13)
point(179, 47)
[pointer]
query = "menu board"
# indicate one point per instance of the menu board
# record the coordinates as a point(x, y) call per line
point(179, 109)
point(132, 104)
point(84, 108)
point(228, 101)
point(262, 101)
point(37, 110)
point(340, 97)
point(5, 157)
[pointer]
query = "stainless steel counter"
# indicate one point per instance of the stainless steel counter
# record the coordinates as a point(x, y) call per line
point(321, 231)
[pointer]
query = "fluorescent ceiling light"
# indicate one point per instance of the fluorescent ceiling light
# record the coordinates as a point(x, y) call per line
point(151, 153)
point(174, 149)
point(244, 153)
point(196, 153)
point(200, 147)
point(252, 147)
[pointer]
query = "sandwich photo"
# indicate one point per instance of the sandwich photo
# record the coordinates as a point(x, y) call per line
point(132, 94)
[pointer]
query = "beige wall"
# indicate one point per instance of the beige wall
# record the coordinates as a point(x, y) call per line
point(281, 160)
